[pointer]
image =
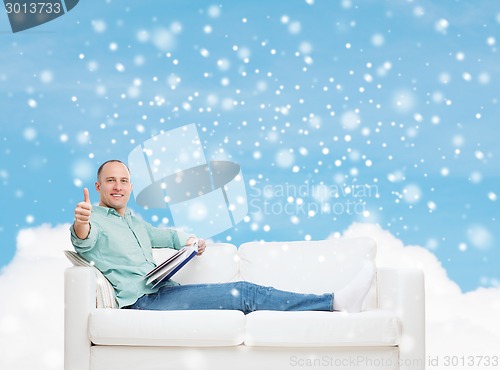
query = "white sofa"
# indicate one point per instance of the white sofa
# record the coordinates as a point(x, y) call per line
point(388, 334)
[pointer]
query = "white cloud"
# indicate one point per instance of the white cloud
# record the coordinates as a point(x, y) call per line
point(460, 324)
point(32, 311)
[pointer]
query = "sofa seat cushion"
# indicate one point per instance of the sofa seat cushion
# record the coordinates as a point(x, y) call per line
point(322, 329)
point(210, 328)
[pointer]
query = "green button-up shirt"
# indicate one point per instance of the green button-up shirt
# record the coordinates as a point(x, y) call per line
point(120, 247)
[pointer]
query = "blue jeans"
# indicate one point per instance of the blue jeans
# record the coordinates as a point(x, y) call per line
point(241, 296)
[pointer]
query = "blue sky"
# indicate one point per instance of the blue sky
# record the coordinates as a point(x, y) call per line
point(396, 101)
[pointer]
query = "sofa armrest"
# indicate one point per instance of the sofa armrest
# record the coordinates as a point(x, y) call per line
point(79, 300)
point(402, 291)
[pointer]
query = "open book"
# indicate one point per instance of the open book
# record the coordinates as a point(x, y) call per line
point(171, 265)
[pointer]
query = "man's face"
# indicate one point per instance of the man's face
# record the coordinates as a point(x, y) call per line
point(114, 186)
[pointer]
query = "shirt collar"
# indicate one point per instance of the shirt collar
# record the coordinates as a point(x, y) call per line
point(110, 211)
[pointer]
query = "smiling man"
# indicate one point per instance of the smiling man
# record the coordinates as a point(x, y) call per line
point(120, 245)
point(116, 241)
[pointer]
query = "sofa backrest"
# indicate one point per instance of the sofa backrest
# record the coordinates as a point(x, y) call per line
point(219, 264)
point(299, 266)
point(307, 266)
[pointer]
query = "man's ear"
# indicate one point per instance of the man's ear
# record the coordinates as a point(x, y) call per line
point(98, 186)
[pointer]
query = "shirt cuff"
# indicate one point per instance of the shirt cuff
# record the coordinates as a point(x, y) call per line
point(183, 237)
point(88, 242)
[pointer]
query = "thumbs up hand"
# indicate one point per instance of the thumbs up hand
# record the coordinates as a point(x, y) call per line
point(83, 209)
point(82, 216)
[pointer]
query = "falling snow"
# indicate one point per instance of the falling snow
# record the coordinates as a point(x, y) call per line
point(312, 95)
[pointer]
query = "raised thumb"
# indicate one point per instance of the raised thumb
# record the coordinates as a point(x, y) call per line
point(86, 196)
